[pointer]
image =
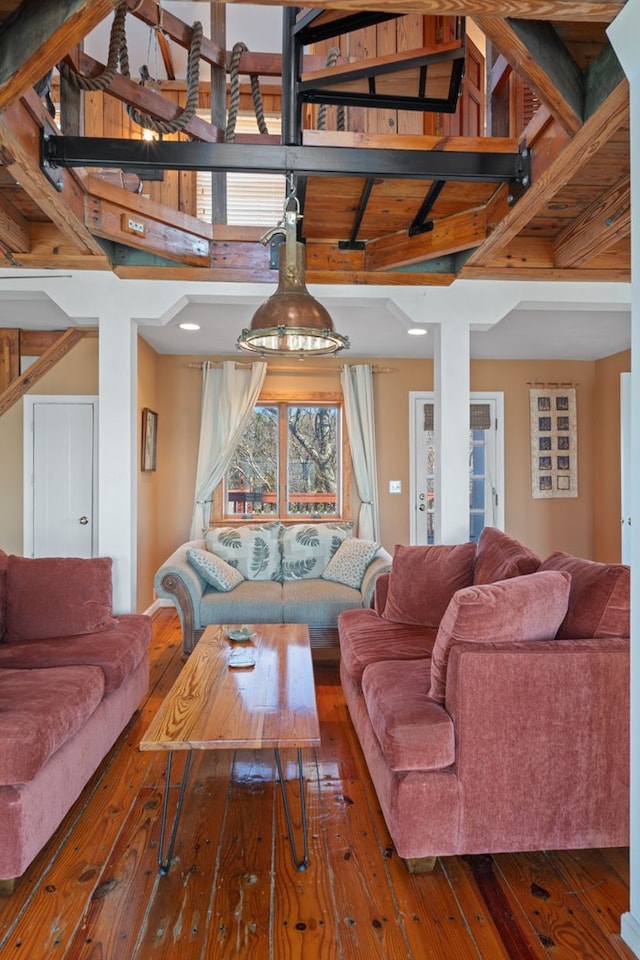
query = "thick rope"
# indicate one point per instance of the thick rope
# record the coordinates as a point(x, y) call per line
point(119, 54)
point(234, 94)
point(103, 80)
point(332, 58)
point(193, 89)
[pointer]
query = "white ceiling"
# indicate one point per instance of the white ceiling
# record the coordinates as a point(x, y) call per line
point(511, 320)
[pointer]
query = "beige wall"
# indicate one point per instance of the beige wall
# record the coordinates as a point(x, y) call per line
point(546, 525)
point(588, 525)
point(148, 513)
point(75, 374)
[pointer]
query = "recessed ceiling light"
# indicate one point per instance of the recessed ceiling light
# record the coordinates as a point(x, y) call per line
point(189, 326)
point(417, 331)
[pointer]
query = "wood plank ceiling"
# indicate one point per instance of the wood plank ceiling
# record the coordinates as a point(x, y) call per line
point(571, 223)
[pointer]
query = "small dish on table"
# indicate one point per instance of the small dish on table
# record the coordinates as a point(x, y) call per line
point(239, 634)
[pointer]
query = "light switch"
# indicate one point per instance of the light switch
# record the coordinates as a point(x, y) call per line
point(395, 486)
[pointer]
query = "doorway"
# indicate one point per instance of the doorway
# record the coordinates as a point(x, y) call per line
point(486, 465)
point(60, 471)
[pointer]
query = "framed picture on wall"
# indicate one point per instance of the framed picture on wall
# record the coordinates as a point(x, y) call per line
point(149, 438)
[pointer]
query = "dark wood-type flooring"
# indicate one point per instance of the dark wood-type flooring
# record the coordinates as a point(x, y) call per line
point(94, 892)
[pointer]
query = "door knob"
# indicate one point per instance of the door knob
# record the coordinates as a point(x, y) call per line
point(422, 507)
point(84, 521)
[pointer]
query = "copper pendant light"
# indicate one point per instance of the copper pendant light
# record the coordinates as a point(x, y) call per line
point(291, 321)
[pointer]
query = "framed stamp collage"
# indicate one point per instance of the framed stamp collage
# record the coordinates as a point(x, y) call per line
point(554, 442)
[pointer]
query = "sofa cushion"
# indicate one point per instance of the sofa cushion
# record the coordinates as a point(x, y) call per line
point(252, 601)
point(349, 562)
point(52, 597)
point(307, 548)
point(531, 607)
point(214, 569)
point(365, 637)
point(599, 599)
point(414, 733)
point(317, 602)
point(4, 561)
point(253, 548)
point(39, 710)
point(117, 652)
point(500, 557)
point(423, 580)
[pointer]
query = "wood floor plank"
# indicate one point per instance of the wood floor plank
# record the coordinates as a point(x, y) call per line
point(493, 926)
point(175, 923)
point(560, 921)
point(601, 893)
point(368, 924)
point(239, 919)
point(304, 920)
point(116, 910)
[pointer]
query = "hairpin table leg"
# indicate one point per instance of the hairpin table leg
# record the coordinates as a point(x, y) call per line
point(299, 864)
point(165, 862)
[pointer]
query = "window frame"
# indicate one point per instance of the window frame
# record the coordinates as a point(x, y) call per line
point(270, 398)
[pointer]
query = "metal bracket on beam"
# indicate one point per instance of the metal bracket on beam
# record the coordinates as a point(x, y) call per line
point(522, 180)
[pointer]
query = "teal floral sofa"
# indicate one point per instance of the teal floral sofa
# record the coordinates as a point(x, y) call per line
point(272, 573)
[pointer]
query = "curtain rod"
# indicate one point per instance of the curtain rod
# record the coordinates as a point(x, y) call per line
point(297, 369)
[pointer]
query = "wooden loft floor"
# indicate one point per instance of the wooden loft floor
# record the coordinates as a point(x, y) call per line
point(233, 892)
point(553, 87)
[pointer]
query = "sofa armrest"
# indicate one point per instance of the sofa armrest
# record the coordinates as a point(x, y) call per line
point(381, 563)
point(181, 583)
point(543, 727)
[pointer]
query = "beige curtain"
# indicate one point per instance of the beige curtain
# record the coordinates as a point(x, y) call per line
point(357, 389)
point(229, 394)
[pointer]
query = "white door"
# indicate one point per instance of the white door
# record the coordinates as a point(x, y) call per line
point(60, 476)
point(486, 469)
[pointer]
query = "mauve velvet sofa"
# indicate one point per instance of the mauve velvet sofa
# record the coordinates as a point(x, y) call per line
point(71, 677)
point(490, 694)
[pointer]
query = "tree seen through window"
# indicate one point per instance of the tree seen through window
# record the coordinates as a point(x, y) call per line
point(287, 463)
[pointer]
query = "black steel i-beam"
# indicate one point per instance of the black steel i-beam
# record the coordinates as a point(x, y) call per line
point(304, 161)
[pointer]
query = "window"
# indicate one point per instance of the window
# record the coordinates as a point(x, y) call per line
point(289, 463)
point(252, 198)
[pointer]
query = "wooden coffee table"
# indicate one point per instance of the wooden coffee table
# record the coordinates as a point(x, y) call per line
point(213, 706)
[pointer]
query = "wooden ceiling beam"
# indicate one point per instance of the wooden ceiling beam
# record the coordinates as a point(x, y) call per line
point(539, 57)
point(51, 250)
point(20, 128)
point(559, 171)
point(449, 235)
point(176, 29)
point(64, 343)
point(118, 224)
point(40, 36)
point(144, 99)
point(14, 229)
point(595, 11)
point(597, 228)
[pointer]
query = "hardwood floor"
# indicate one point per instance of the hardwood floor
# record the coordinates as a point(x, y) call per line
point(94, 892)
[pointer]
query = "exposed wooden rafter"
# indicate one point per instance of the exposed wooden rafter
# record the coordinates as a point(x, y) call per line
point(536, 53)
point(597, 11)
point(586, 143)
point(20, 127)
point(602, 224)
point(65, 342)
point(40, 36)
